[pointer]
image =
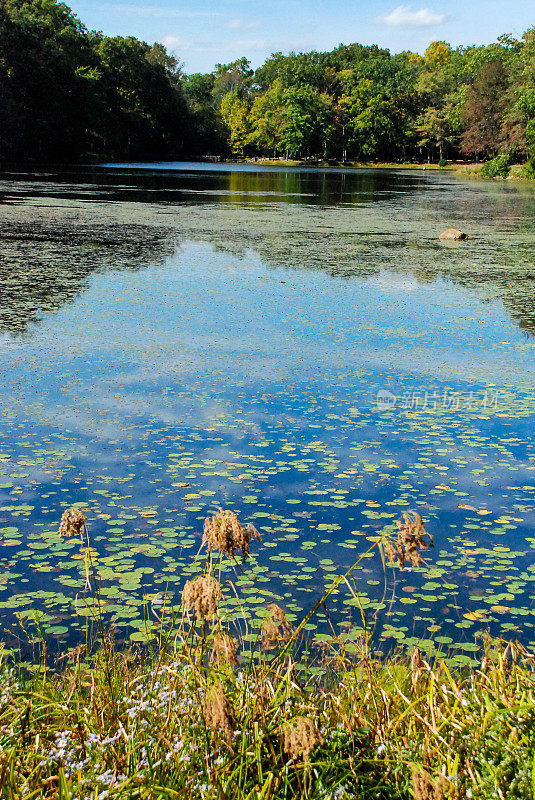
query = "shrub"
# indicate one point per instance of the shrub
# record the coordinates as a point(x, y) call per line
point(497, 167)
point(529, 169)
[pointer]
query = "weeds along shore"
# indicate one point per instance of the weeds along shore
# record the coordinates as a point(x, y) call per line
point(204, 712)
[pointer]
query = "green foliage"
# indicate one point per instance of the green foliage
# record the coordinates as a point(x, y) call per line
point(47, 75)
point(233, 80)
point(505, 758)
point(381, 106)
point(529, 169)
point(267, 118)
point(498, 167)
point(484, 109)
point(305, 119)
point(209, 135)
point(370, 117)
point(234, 112)
point(66, 93)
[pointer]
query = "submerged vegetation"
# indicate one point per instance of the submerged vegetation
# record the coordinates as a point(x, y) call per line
point(205, 712)
point(67, 92)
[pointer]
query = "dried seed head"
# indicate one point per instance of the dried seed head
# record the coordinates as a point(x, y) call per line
point(301, 738)
point(225, 533)
point(202, 596)
point(410, 540)
point(218, 712)
point(72, 523)
point(391, 552)
point(427, 789)
point(276, 629)
point(224, 648)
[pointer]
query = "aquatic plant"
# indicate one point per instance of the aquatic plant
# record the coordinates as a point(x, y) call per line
point(201, 713)
point(159, 725)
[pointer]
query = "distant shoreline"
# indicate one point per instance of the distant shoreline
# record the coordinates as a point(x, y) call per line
point(471, 169)
point(463, 170)
point(340, 164)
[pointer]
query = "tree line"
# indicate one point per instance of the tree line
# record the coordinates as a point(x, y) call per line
point(67, 92)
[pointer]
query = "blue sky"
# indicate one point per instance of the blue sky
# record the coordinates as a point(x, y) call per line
point(203, 32)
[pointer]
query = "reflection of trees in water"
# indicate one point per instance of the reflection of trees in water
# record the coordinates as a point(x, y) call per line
point(507, 274)
point(522, 312)
point(45, 264)
point(512, 283)
point(234, 186)
point(325, 188)
point(44, 267)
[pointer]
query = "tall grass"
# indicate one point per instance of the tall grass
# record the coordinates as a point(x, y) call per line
point(201, 713)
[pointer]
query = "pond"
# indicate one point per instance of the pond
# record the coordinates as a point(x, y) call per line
point(296, 345)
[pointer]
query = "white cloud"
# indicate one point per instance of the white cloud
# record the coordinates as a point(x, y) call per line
point(405, 17)
point(177, 45)
point(174, 43)
point(240, 25)
point(130, 9)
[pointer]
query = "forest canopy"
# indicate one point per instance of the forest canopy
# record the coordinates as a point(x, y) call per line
point(69, 93)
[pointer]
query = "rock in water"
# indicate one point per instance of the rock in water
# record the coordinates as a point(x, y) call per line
point(452, 233)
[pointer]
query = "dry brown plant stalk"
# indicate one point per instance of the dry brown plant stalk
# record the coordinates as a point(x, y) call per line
point(224, 532)
point(224, 648)
point(416, 667)
point(202, 596)
point(218, 712)
point(409, 541)
point(276, 629)
point(301, 738)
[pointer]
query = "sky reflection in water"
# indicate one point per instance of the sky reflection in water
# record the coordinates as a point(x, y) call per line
point(173, 342)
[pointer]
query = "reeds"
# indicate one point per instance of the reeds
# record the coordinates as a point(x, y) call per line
point(411, 539)
point(224, 532)
point(301, 737)
point(202, 714)
point(153, 724)
point(201, 596)
point(72, 523)
point(276, 629)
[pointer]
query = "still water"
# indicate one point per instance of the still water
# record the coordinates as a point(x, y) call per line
point(295, 345)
